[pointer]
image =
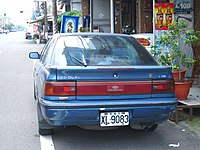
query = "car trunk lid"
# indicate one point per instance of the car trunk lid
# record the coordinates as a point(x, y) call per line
point(116, 83)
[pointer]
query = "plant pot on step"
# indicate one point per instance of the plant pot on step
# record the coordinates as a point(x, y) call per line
point(178, 75)
point(38, 41)
point(182, 89)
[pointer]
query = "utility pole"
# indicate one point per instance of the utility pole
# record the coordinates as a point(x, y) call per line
point(3, 22)
point(55, 17)
point(112, 22)
point(91, 15)
point(45, 22)
point(38, 8)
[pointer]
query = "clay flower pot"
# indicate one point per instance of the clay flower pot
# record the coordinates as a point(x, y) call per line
point(178, 75)
point(182, 89)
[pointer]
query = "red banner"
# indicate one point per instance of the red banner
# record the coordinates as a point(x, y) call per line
point(164, 15)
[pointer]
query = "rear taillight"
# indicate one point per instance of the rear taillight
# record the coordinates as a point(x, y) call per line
point(163, 86)
point(59, 88)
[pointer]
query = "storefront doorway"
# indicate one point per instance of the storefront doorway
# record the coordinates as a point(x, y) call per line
point(128, 16)
point(146, 16)
point(133, 16)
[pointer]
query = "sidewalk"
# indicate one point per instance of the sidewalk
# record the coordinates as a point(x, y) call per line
point(193, 101)
point(194, 95)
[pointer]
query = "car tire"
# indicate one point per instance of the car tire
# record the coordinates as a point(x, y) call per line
point(44, 127)
point(35, 92)
point(151, 128)
point(45, 131)
point(148, 127)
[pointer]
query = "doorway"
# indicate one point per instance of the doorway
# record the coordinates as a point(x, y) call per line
point(128, 17)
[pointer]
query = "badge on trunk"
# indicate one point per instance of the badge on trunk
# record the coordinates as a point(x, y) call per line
point(115, 88)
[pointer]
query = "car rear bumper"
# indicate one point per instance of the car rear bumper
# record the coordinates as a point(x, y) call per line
point(77, 113)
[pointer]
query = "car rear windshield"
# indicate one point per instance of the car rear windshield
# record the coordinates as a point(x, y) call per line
point(100, 50)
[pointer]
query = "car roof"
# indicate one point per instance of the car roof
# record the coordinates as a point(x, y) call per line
point(57, 35)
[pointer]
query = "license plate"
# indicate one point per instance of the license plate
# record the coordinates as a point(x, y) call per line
point(114, 119)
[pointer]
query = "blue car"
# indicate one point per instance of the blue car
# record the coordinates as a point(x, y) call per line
point(100, 81)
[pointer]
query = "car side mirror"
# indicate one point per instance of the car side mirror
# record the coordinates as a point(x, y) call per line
point(34, 55)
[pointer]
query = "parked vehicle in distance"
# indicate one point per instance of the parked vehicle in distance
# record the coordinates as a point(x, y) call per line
point(7, 31)
point(13, 30)
point(28, 35)
point(100, 80)
point(3, 31)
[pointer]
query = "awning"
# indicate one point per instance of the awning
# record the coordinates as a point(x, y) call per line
point(34, 21)
point(41, 18)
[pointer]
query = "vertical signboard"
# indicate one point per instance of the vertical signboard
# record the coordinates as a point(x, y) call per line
point(69, 24)
point(164, 15)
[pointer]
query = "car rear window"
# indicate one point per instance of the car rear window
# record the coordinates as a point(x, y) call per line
point(100, 50)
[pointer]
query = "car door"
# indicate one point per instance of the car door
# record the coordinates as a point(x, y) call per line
point(40, 71)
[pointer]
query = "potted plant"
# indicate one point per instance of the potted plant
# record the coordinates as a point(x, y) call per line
point(170, 52)
point(81, 29)
point(195, 38)
point(36, 38)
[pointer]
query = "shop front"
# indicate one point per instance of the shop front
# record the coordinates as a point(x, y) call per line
point(125, 16)
point(150, 17)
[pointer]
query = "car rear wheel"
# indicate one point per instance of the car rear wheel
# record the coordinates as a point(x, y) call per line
point(46, 131)
point(35, 92)
point(149, 127)
point(44, 127)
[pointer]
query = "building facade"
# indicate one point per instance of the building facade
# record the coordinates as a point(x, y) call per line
point(135, 16)
point(139, 16)
point(129, 15)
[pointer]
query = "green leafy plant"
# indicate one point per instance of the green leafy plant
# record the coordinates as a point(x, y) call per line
point(170, 50)
point(193, 39)
point(35, 36)
point(81, 29)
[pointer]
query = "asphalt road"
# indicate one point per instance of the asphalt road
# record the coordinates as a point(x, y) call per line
point(18, 120)
point(18, 125)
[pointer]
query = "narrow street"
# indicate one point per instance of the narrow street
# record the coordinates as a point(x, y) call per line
point(18, 126)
